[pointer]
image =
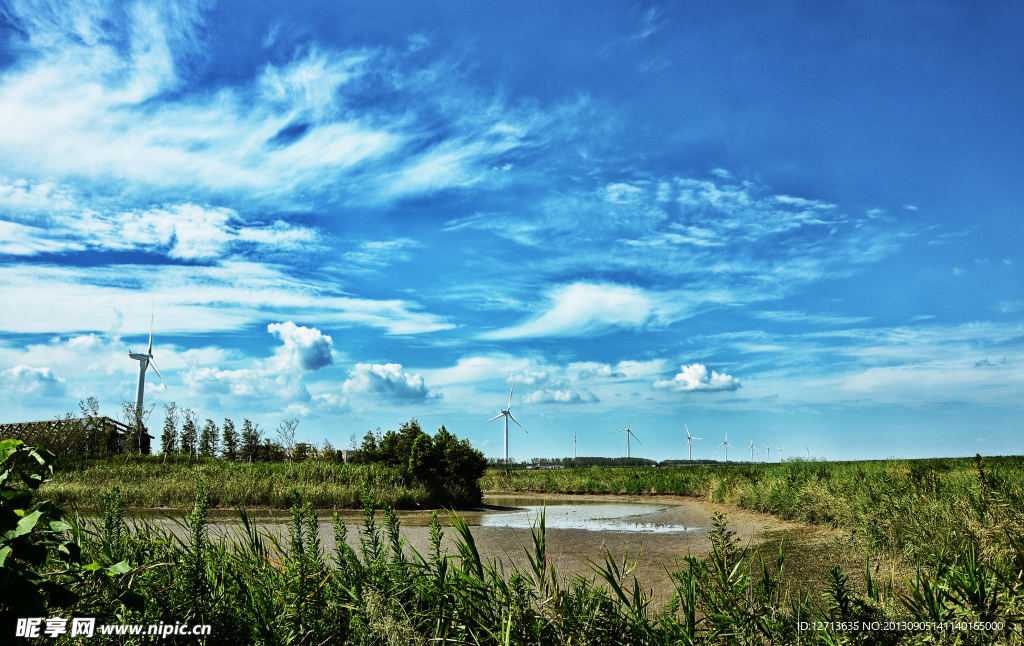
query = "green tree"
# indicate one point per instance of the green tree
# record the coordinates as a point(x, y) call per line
point(252, 436)
point(169, 438)
point(209, 440)
point(189, 433)
point(230, 441)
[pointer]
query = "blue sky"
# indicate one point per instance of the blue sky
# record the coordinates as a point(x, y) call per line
point(797, 223)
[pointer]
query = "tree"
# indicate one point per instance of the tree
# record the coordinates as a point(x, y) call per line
point(252, 436)
point(188, 432)
point(209, 440)
point(137, 438)
point(230, 440)
point(169, 438)
point(286, 435)
point(327, 452)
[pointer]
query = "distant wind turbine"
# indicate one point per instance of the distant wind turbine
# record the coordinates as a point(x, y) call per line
point(145, 360)
point(808, 452)
point(628, 433)
point(726, 445)
point(780, 453)
point(689, 455)
point(752, 449)
point(507, 414)
point(769, 451)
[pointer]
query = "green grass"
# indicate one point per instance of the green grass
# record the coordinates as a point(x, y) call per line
point(258, 588)
point(149, 482)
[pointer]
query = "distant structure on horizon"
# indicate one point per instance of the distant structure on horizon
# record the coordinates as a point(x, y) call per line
point(73, 436)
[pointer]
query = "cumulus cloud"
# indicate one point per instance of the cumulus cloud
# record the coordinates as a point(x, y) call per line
point(387, 381)
point(26, 380)
point(695, 378)
point(560, 396)
point(305, 348)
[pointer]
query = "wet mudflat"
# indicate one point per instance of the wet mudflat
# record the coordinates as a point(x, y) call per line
point(656, 532)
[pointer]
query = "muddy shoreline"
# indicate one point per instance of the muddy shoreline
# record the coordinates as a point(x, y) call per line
point(810, 550)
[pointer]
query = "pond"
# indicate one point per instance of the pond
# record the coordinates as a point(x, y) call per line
point(520, 512)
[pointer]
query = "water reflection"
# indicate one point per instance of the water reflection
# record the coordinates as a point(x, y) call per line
point(522, 513)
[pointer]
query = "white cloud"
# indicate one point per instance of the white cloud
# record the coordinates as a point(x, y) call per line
point(227, 296)
point(304, 348)
point(179, 231)
point(582, 309)
point(386, 381)
point(22, 380)
point(695, 378)
point(560, 396)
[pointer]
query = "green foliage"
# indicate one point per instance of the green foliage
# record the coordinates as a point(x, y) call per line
point(446, 466)
point(209, 440)
point(169, 437)
point(251, 438)
point(33, 538)
point(230, 441)
point(189, 433)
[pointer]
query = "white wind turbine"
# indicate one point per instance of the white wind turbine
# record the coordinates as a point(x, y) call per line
point(507, 414)
point(628, 433)
point(689, 455)
point(780, 453)
point(751, 449)
point(145, 360)
point(769, 456)
point(726, 445)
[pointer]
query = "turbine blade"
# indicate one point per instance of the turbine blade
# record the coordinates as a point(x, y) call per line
point(635, 437)
point(630, 423)
point(151, 331)
point(509, 407)
point(517, 422)
point(153, 363)
point(494, 418)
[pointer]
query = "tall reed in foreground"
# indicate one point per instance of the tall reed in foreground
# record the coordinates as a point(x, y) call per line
point(256, 587)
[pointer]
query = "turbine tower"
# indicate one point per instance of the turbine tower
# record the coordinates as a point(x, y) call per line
point(726, 445)
point(780, 453)
point(769, 451)
point(628, 433)
point(751, 449)
point(507, 414)
point(145, 360)
point(689, 455)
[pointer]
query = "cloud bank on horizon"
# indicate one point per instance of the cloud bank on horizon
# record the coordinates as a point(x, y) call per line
point(354, 220)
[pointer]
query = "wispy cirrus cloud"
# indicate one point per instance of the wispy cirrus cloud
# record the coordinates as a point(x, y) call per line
point(226, 296)
point(84, 99)
point(582, 309)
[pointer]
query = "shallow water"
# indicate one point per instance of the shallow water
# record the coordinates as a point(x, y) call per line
point(521, 512)
point(515, 512)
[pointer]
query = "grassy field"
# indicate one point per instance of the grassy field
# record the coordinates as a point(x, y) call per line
point(150, 482)
point(959, 519)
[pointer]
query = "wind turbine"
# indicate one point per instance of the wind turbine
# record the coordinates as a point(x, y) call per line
point(726, 445)
point(145, 360)
point(628, 433)
point(769, 447)
point(507, 414)
point(689, 455)
point(780, 453)
point(808, 452)
point(751, 449)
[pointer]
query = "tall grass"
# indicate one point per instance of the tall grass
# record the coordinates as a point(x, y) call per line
point(260, 588)
point(147, 481)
